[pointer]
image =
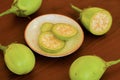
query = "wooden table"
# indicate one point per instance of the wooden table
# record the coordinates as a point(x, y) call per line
point(106, 46)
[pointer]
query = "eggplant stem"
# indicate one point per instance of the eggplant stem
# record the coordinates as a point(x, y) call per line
point(6, 12)
point(110, 63)
point(76, 8)
point(13, 9)
point(3, 48)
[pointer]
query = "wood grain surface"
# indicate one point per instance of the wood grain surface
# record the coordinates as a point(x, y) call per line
point(106, 46)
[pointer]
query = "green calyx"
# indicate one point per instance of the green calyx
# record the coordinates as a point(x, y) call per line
point(23, 8)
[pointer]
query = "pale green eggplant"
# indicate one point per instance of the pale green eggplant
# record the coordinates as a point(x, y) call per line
point(18, 58)
point(23, 8)
point(89, 67)
point(96, 20)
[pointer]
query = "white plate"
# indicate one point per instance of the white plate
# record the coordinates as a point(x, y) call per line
point(32, 32)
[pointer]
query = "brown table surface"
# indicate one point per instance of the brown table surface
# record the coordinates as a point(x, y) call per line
point(106, 46)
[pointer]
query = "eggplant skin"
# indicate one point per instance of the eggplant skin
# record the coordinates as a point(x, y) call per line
point(19, 58)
